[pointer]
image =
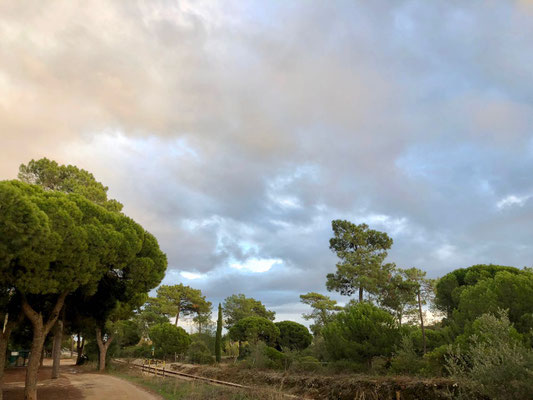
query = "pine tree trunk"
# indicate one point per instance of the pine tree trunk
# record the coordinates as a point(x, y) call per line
point(56, 356)
point(3, 349)
point(30, 389)
point(79, 349)
point(4, 339)
point(40, 330)
point(102, 348)
point(422, 321)
point(361, 294)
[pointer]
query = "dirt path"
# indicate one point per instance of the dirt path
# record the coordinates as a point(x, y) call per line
point(74, 384)
point(98, 387)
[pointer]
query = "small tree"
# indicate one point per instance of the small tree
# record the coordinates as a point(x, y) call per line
point(168, 340)
point(293, 336)
point(361, 332)
point(218, 339)
point(324, 309)
point(361, 251)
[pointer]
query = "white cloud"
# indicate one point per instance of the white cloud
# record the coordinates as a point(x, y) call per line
point(256, 264)
point(192, 275)
point(511, 201)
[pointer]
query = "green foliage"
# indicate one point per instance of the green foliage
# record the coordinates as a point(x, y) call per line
point(436, 360)
point(360, 332)
point(143, 350)
point(495, 363)
point(254, 329)
point(361, 252)
point(68, 179)
point(127, 333)
point(259, 355)
point(238, 306)
point(169, 340)
point(277, 359)
point(406, 360)
point(199, 353)
point(177, 300)
point(293, 336)
point(147, 317)
point(323, 309)
point(505, 290)
point(218, 339)
point(448, 288)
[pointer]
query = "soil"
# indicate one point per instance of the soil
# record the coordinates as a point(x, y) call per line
point(73, 384)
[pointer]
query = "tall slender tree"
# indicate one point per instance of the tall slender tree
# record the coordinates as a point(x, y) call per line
point(218, 338)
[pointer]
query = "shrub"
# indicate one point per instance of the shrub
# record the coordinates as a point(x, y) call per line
point(169, 340)
point(436, 360)
point(406, 360)
point(360, 332)
point(495, 364)
point(293, 336)
point(199, 353)
point(254, 329)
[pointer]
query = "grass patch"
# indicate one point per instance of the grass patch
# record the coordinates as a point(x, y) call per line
point(176, 389)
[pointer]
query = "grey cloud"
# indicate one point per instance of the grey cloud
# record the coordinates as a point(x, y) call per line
point(240, 131)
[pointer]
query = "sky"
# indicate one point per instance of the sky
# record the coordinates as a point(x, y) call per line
point(236, 131)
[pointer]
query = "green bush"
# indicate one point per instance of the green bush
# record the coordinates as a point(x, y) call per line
point(199, 353)
point(293, 336)
point(405, 359)
point(277, 359)
point(361, 332)
point(169, 340)
point(495, 364)
point(435, 361)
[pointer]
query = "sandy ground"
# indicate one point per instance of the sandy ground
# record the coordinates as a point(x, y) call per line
point(73, 384)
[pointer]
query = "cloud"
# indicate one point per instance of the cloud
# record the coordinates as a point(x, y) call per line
point(512, 200)
point(256, 265)
point(237, 132)
point(191, 275)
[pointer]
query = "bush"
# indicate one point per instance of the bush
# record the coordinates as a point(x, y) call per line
point(169, 340)
point(360, 332)
point(435, 361)
point(199, 353)
point(406, 360)
point(293, 336)
point(254, 329)
point(495, 364)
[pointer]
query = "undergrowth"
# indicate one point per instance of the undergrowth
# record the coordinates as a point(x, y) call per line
point(175, 389)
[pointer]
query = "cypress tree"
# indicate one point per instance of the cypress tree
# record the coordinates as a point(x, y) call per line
point(218, 338)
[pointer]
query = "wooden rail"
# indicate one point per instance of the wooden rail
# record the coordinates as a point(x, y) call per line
point(176, 374)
